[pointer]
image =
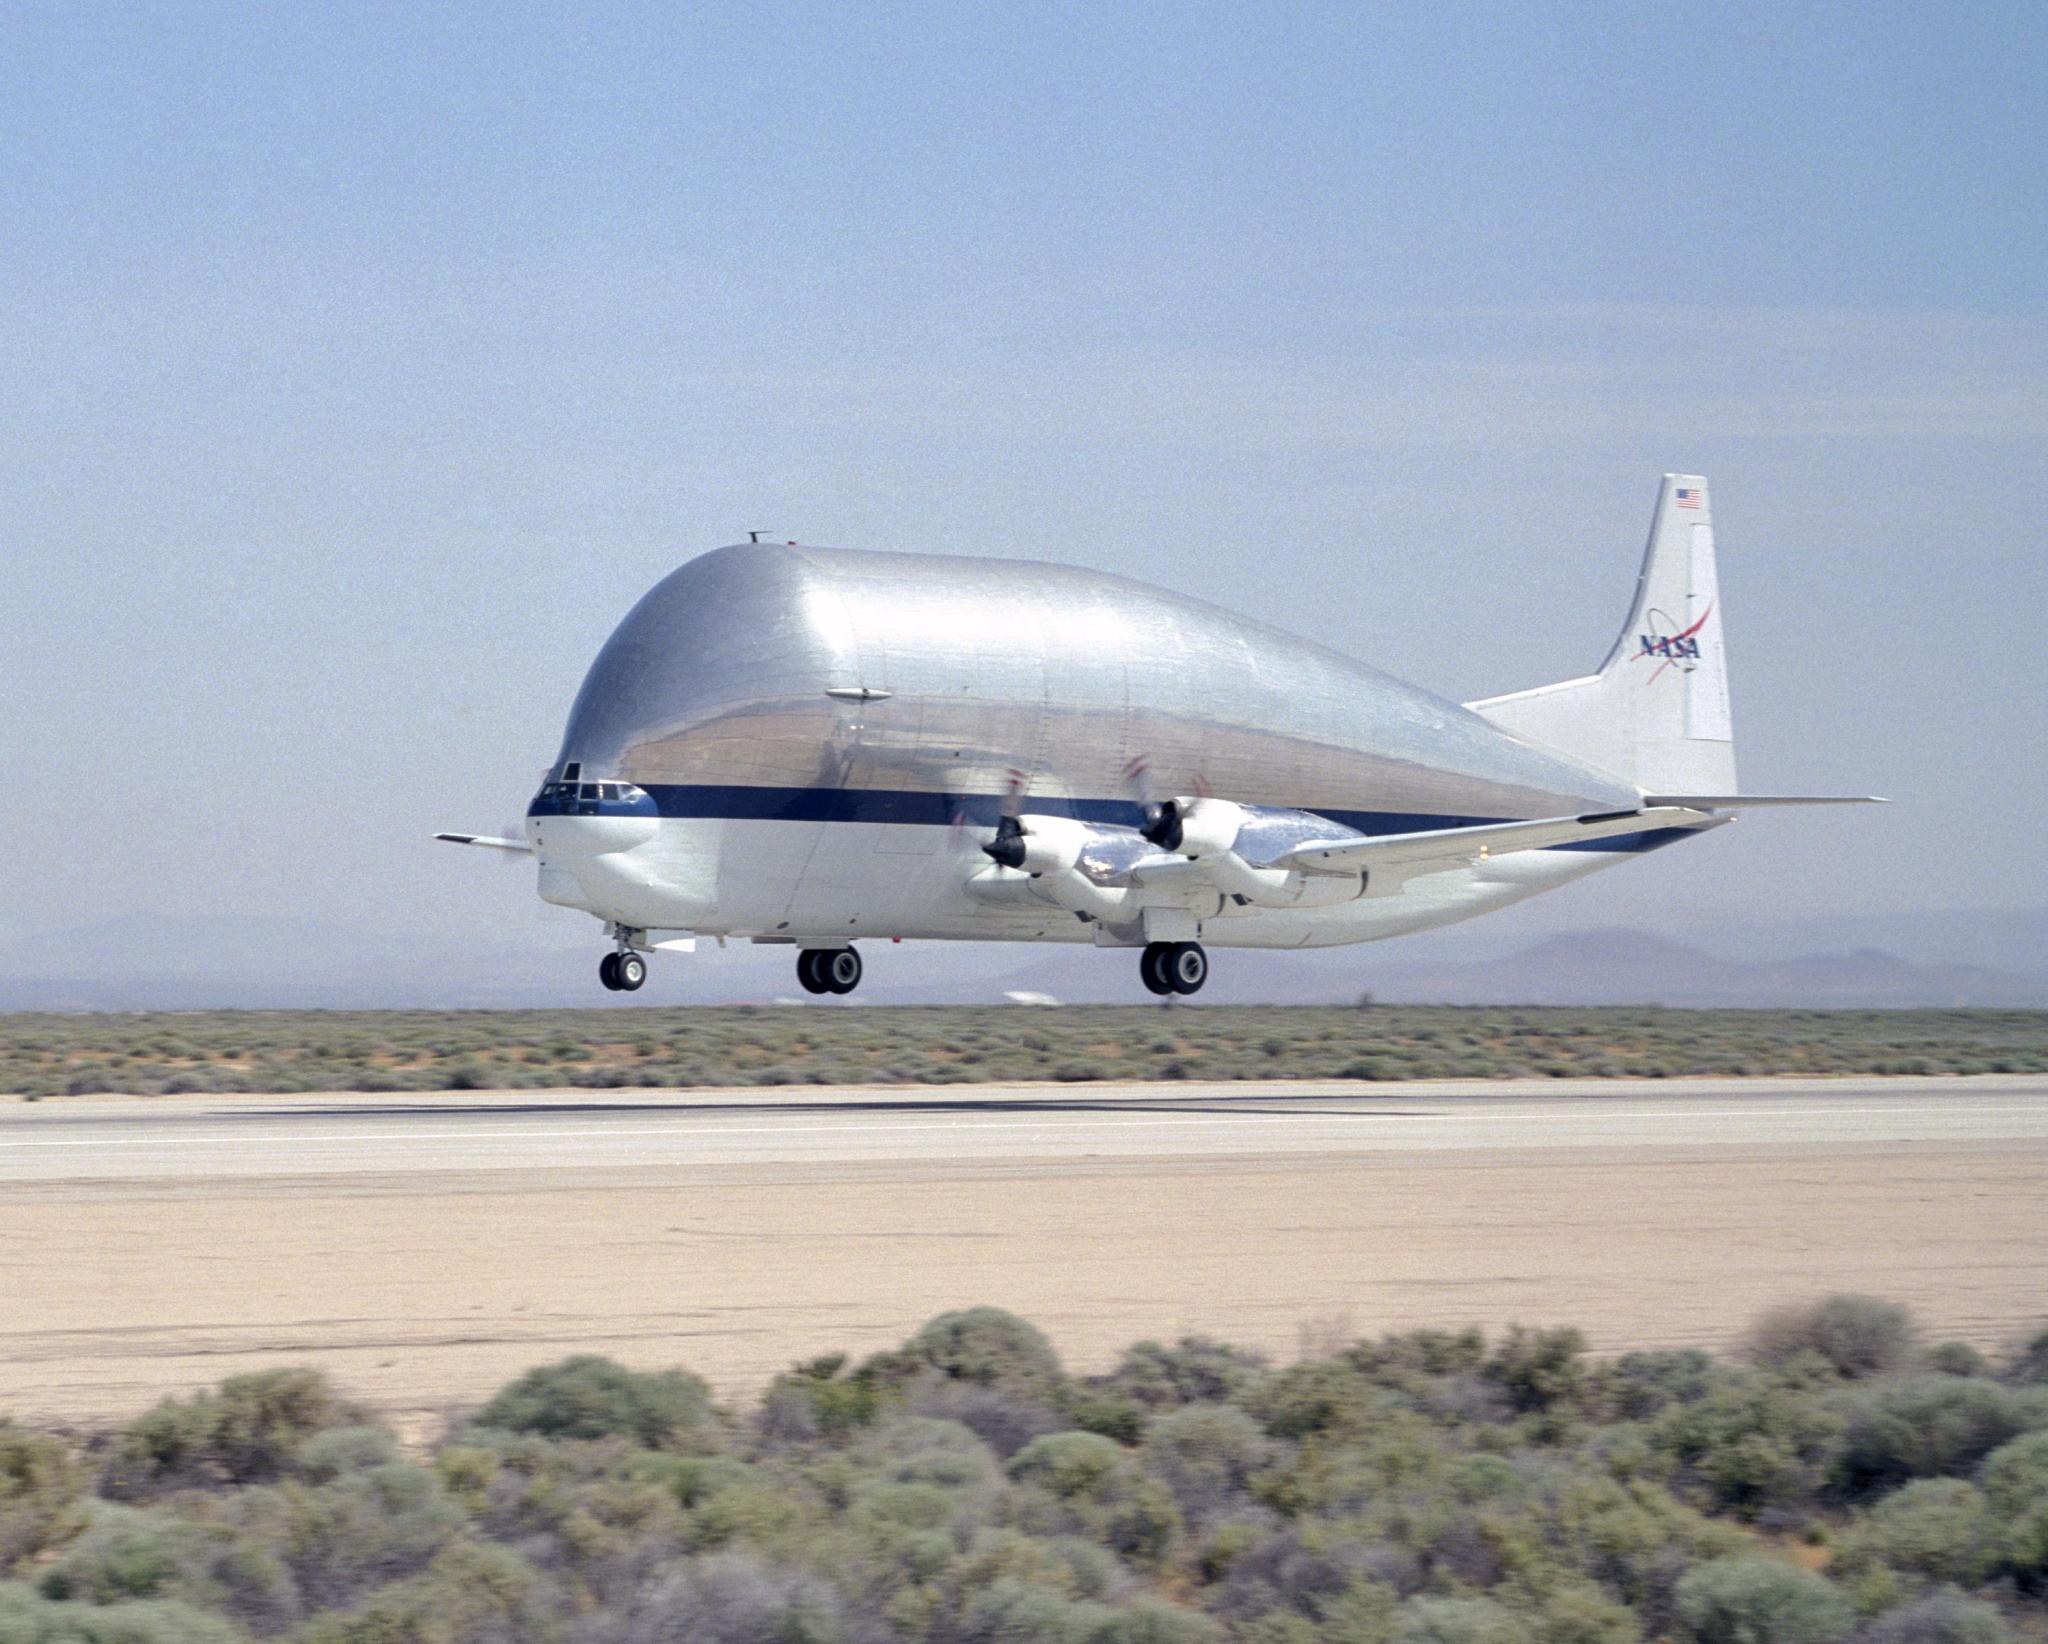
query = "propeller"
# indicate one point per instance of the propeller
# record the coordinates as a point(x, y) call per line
point(1006, 850)
point(1162, 821)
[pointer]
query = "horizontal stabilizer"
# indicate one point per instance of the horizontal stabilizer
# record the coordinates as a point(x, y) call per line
point(1450, 847)
point(1742, 801)
point(519, 845)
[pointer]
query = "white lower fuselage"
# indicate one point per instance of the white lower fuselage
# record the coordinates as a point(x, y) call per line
point(824, 884)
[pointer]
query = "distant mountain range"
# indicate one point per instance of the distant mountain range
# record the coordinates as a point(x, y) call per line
point(1640, 967)
point(191, 964)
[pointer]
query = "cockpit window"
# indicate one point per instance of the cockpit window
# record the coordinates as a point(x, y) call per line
point(572, 771)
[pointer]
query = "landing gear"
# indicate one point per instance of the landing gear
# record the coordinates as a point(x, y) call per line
point(623, 972)
point(1174, 967)
point(828, 970)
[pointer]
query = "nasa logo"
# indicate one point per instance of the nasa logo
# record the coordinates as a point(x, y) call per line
point(1679, 649)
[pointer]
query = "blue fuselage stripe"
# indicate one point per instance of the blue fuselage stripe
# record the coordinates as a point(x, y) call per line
point(736, 803)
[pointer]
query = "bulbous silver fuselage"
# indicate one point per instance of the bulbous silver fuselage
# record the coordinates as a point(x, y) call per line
point(877, 704)
point(980, 667)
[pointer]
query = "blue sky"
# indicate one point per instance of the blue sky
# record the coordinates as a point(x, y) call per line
point(363, 364)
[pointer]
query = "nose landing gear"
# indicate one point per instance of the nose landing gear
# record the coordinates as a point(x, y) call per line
point(623, 972)
point(1173, 967)
point(828, 970)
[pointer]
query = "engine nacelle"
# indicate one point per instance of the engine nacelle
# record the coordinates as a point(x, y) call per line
point(1194, 827)
point(1038, 844)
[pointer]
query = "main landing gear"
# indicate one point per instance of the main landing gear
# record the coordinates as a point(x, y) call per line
point(1174, 967)
point(828, 970)
point(623, 972)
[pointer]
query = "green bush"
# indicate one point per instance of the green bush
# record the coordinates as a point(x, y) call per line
point(1538, 1369)
point(588, 1397)
point(1930, 1426)
point(2016, 1485)
point(1195, 1370)
point(468, 1595)
point(1751, 1600)
point(1069, 1464)
point(989, 1348)
point(1939, 1618)
point(1205, 1454)
point(1751, 1443)
point(1855, 1336)
point(40, 1484)
point(249, 1431)
point(1458, 1621)
point(1936, 1528)
point(26, 1618)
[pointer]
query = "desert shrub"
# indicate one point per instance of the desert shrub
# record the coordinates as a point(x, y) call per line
point(1205, 1454)
point(345, 1450)
point(1957, 1358)
point(1069, 1464)
point(1458, 1621)
point(1937, 1528)
point(1748, 1599)
point(1148, 1621)
point(1641, 1385)
point(1395, 1359)
point(468, 1595)
point(1323, 1396)
point(26, 1618)
point(1939, 1618)
point(988, 1347)
point(2027, 1363)
point(1577, 1613)
point(1929, 1426)
point(1751, 1443)
point(729, 1598)
point(1856, 1336)
point(1538, 1368)
point(818, 1400)
point(1004, 1420)
point(347, 1537)
point(1195, 1370)
point(40, 1482)
point(588, 1397)
point(248, 1431)
point(2016, 1484)
point(123, 1553)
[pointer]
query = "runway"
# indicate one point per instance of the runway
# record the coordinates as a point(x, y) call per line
point(425, 1248)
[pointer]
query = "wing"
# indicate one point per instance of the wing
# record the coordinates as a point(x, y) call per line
point(519, 845)
point(1453, 846)
point(1743, 801)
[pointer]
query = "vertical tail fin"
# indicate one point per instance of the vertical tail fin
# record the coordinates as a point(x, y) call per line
point(1656, 714)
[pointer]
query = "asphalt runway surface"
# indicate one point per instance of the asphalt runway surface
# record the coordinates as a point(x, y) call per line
point(426, 1248)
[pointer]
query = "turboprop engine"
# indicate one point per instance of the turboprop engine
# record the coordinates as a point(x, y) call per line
point(1203, 855)
point(1232, 846)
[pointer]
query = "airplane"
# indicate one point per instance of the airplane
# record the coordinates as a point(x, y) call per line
point(817, 747)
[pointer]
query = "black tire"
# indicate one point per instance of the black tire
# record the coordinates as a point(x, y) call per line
point(608, 971)
point(810, 972)
point(1152, 968)
point(631, 970)
point(1186, 967)
point(840, 968)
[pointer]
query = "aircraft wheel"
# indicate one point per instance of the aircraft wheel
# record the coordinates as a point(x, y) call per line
point(810, 971)
point(1152, 967)
point(631, 971)
point(608, 971)
point(1186, 967)
point(840, 969)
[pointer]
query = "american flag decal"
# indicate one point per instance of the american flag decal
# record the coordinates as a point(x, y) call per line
point(1686, 496)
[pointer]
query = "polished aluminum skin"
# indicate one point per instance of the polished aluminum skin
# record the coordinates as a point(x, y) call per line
point(967, 677)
